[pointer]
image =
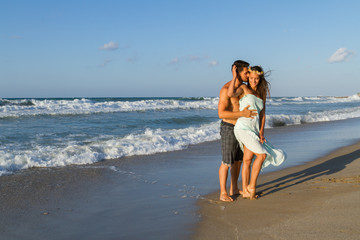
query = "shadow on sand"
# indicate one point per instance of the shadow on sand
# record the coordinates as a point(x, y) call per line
point(326, 168)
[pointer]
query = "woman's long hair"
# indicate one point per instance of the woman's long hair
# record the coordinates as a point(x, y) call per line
point(263, 88)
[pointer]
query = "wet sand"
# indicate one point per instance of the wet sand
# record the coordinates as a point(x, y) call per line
point(318, 200)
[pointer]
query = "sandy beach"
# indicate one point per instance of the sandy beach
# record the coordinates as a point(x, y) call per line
point(318, 200)
point(166, 195)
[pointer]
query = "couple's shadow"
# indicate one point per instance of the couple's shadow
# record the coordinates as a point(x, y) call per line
point(328, 167)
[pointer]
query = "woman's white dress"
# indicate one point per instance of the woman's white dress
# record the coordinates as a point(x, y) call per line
point(247, 133)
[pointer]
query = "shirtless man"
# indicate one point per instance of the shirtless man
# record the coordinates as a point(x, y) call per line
point(228, 110)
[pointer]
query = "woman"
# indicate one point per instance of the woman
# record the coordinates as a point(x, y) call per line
point(250, 131)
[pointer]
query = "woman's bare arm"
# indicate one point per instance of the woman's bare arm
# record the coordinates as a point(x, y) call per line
point(262, 125)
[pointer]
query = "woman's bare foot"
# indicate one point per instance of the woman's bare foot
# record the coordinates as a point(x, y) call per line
point(252, 193)
point(225, 198)
point(245, 194)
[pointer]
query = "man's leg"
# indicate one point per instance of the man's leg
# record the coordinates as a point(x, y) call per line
point(235, 172)
point(223, 173)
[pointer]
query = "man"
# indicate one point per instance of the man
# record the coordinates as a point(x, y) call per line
point(228, 110)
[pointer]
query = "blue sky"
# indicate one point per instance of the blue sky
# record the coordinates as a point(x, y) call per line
point(176, 48)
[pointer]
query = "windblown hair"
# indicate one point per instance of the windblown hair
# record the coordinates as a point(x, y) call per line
point(263, 88)
point(240, 64)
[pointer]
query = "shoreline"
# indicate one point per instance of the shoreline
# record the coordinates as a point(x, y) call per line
point(316, 200)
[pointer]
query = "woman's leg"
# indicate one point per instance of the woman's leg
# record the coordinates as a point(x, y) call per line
point(245, 173)
point(255, 170)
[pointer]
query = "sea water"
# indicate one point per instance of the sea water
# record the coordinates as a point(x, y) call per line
point(56, 132)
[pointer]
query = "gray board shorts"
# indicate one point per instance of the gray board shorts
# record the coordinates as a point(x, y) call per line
point(230, 147)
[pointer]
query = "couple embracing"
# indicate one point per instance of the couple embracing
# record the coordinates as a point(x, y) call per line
point(242, 110)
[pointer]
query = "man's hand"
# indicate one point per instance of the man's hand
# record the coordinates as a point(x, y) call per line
point(249, 113)
point(234, 72)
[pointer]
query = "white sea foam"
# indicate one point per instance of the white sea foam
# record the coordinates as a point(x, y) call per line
point(34, 107)
point(312, 100)
point(147, 142)
point(273, 120)
point(355, 96)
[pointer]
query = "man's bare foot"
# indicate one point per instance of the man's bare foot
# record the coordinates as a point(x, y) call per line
point(225, 198)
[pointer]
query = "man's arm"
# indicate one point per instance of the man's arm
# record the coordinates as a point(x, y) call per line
point(226, 114)
point(232, 90)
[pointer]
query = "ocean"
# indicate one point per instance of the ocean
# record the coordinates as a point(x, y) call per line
point(55, 132)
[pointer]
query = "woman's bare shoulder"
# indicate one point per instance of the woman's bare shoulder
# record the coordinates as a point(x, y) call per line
point(245, 88)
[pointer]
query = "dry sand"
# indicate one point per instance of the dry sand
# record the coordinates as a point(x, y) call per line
point(318, 200)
